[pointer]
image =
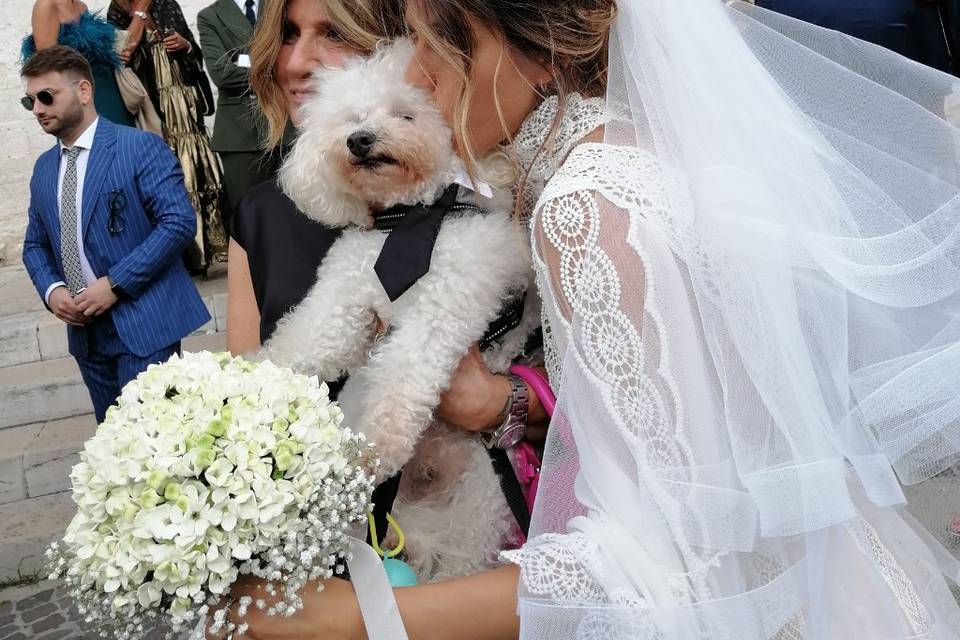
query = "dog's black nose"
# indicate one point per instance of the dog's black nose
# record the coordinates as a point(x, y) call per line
point(360, 143)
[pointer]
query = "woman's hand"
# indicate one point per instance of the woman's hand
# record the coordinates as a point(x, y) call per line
point(476, 398)
point(141, 5)
point(331, 614)
point(175, 42)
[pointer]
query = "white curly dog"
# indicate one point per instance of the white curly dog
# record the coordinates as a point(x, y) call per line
point(370, 141)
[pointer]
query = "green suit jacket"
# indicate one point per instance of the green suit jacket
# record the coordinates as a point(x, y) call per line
point(224, 35)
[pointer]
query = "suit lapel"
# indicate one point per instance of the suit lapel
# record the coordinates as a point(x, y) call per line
point(98, 165)
point(235, 21)
point(49, 204)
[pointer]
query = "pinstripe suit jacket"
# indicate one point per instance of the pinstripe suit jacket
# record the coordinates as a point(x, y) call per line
point(161, 304)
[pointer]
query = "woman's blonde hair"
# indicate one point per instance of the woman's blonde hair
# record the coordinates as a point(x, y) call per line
point(361, 23)
point(569, 37)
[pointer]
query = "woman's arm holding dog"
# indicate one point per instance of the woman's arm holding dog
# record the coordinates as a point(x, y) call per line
point(243, 315)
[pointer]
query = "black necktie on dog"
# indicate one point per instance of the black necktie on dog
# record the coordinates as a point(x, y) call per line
point(405, 256)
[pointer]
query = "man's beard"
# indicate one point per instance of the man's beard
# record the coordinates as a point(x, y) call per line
point(68, 122)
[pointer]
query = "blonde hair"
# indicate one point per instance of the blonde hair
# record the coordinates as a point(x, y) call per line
point(569, 37)
point(361, 23)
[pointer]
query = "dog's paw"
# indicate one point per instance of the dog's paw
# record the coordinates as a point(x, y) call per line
point(395, 434)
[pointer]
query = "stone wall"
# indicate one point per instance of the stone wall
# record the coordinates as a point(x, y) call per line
point(21, 139)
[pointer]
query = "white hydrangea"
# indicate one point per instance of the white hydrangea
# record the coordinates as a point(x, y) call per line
point(210, 466)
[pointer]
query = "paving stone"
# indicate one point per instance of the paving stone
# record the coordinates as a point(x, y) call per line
point(57, 634)
point(32, 615)
point(46, 624)
point(8, 630)
point(16, 636)
point(35, 600)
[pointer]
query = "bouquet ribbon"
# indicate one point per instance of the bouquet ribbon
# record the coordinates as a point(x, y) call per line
point(374, 593)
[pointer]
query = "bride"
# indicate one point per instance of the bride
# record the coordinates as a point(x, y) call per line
point(747, 242)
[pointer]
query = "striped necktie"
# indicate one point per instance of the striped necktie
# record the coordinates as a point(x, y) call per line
point(69, 250)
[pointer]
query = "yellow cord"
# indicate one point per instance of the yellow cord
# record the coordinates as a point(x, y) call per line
point(375, 542)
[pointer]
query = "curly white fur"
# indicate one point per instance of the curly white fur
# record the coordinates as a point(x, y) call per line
point(450, 503)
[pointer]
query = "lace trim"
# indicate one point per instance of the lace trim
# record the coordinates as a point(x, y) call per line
point(540, 161)
point(636, 369)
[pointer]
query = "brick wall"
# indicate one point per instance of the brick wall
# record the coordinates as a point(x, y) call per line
point(21, 139)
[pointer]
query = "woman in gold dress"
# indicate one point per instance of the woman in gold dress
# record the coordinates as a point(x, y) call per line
point(164, 54)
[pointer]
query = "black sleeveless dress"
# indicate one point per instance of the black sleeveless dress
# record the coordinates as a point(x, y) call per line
point(284, 248)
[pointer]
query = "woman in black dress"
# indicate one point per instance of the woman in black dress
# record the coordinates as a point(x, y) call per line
point(274, 249)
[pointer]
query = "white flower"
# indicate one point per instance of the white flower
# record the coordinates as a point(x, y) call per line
point(209, 463)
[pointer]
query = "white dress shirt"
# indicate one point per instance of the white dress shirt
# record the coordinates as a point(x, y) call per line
point(85, 143)
point(243, 7)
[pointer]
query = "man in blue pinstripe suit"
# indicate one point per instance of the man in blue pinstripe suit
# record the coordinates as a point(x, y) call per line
point(109, 217)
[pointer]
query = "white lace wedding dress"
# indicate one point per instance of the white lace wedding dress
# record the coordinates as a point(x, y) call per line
point(656, 517)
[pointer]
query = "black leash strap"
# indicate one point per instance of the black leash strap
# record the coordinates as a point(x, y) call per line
point(511, 488)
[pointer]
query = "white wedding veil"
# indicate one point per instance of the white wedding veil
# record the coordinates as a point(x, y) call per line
point(754, 293)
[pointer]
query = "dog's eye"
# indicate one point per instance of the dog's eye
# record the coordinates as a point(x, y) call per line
point(406, 116)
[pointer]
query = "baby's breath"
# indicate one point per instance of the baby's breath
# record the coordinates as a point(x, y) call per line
point(209, 467)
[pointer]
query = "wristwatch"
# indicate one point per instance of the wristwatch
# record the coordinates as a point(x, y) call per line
point(140, 14)
point(514, 426)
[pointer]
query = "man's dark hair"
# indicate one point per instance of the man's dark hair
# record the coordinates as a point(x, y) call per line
point(58, 58)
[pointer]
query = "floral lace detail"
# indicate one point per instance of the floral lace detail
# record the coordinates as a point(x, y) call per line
point(540, 160)
point(560, 566)
point(568, 182)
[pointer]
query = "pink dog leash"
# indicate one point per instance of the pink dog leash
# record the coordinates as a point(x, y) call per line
point(525, 459)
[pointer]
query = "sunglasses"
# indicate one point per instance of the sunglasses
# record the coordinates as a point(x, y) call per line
point(117, 201)
point(44, 96)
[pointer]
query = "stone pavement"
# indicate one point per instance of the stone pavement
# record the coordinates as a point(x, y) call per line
point(44, 612)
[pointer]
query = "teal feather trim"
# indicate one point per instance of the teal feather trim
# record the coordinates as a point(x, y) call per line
point(91, 35)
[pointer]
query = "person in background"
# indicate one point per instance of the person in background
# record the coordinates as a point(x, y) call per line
point(274, 249)
point(108, 219)
point(70, 23)
point(917, 29)
point(225, 29)
point(162, 51)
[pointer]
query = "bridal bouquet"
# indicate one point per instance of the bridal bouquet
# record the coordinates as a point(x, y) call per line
point(209, 467)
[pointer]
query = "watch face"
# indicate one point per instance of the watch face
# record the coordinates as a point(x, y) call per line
point(511, 437)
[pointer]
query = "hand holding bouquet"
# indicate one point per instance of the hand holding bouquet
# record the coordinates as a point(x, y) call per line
point(210, 467)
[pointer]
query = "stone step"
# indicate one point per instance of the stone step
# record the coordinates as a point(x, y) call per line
point(41, 391)
point(29, 333)
point(36, 459)
point(27, 528)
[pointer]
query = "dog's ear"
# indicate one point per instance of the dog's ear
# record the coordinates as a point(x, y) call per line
point(308, 179)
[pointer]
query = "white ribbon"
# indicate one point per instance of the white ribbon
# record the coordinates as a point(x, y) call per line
point(374, 593)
